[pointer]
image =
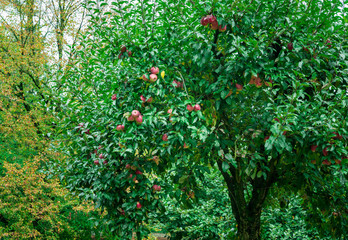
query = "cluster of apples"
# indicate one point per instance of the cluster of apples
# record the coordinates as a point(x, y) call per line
point(195, 108)
point(136, 116)
point(212, 22)
point(123, 50)
point(153, 76)
point(149, 100)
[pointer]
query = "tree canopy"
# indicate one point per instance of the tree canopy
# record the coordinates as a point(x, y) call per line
point(173, 89)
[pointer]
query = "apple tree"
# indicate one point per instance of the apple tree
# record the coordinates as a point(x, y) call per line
point(171, 89)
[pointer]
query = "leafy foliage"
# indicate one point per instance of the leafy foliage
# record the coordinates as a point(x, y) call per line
point(270, 114)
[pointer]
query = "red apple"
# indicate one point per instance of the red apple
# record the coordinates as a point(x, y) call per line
point(328, 43)
point(138, 205)
point(325, 153)
point(170, 111)
point(156, 188)
point(214, 25)
point(87, 132)
point(290, 46)
point(326, 162)
point(142, 98)
point(339, 137)
point(284, 133)
point(139, 119)
point(222, 29)
point(266, 138)
point(178, 84)
point(197, 107)
point(239, 87)
point(149, 100)
point(101, 156)
point(145, 78)
point(123, 49)
point(120, 56)
point(96, 162)
point(100, 147)
point(189, 108)
point(165, 137)
point(276, 119)
point(314, 147)
point(130, 118)
point(105, 162)
point(135, 113)
point(138, 172)
point(114, 97)
point(129, 53)
point(120, 127)
point(204, 21)
point(153, 78)
point(128, 166)
point(154, 70)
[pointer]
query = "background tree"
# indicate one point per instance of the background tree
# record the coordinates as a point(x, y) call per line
point(263, 100)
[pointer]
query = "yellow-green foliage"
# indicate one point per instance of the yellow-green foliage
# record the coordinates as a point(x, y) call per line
point(30, 204)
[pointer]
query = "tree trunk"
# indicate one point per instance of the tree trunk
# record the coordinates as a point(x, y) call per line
point(249, 227)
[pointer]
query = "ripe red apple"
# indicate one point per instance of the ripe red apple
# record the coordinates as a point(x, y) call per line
point(154, 70)
point(178, 84)
point(156, 188)
point(100, 147)
point(114, 97)
point(189, 108)
point(326, 162)
point(153, 78)
point(222, 29)
point(165, 137)
point(276, 119)
point(138, 172)
point(96, 162)
point(204, 21)
point(290, 46)
point(197, 107)
point(130, 118)
point(266, 138)
point(339, 137)
point(123, 49)
point(135, 113)
point(314, 147)
point(139, 119)
point(149, 100)
point(129, 53)
point(328, 43)
point(142, 98)
point(239, 87)
point(145, 78)
point(128, 166)
point(101, 156)
point(170, 111)
point(120, 56)
point(120, 127)
point(325, 153)
point(105, 162)
point(214, 25)
point(138, 205)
